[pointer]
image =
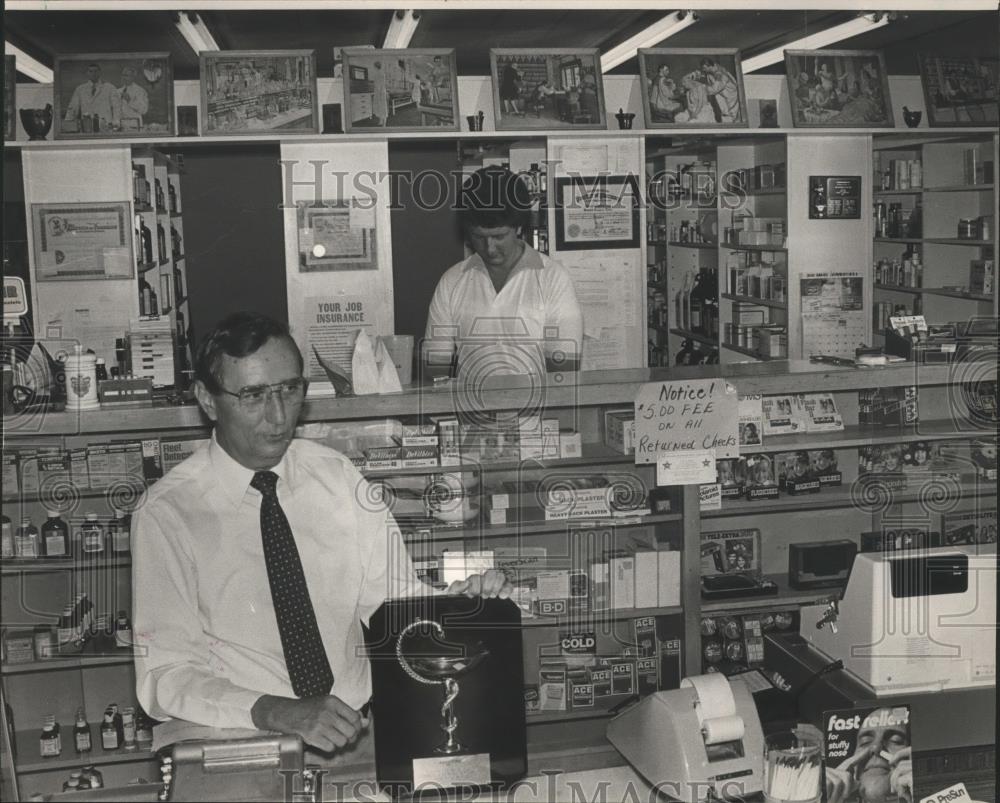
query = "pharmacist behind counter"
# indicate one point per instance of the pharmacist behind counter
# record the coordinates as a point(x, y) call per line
point(506, 309)
point(255, 561)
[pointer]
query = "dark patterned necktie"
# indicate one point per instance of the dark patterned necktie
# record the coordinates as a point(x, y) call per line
point(305, 657)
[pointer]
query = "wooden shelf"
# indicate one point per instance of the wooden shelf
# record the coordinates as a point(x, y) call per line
point(867, 435)
point(579, 618)
point(898, 240)
point(913, 191)
point(382, 135)
point(763, 302)
point(961, 188)
point(14, 566)
point(769, 248)
point(786, 597)
point(82, 661)
point(29, 759)
point(956, 241)
point(707, 246)
point(751, 353)
point(592, 454)
point(942, 291)
point(933, 291)
point(768, 191)
point(840, 496)
point(696, 337)
point(900, 288)
point(574, 714)
point(413, 529)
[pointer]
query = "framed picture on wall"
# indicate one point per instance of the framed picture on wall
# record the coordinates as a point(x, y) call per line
point(101, 95)
point(549, 88)
point(596, 212)
point(258, 92)
point(838, 89)
point(692, 88)
point(82, 241)
point(402, 90)
point(9, 100)
point(336, 235)
point(960, 90)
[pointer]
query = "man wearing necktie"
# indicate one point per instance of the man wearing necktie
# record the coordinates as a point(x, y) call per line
point(257, 559)
point(94, 97)
point(134, 100)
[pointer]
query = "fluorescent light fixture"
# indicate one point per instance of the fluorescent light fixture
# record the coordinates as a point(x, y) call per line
point(195, 32)
point(206, 35)
point(861, 24)
point(401, 28)
point(26, 65)
point(650, 37)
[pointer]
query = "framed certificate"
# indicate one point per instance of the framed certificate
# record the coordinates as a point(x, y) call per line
point(82, 241)
point(336, 235)
point(595, 212)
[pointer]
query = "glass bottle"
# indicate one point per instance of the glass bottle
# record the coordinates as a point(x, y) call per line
point(695, 303)
point(50, 742)
point(6, 537)
point(109, 732)
point(92, 536)
point(686, 301)
point(161, 242)
point(66, 628)
point(93, 775)
point(128, 729)
point(27, 540)
point(146, 235)
point(82, 736)
point(55, 536)
point(100, 369)
point(123, 631)
point(118, 533)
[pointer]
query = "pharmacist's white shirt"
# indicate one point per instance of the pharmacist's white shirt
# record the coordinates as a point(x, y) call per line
point(207, 643)
point(535, 313)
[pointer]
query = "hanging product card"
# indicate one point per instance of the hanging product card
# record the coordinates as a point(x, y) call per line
point(332, 326)
point(833, 316)
point(700, 414)
point(751, 420)
point(710, 496)
point(690, 467)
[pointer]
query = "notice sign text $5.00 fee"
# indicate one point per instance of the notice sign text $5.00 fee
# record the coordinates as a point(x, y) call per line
point(686, 415)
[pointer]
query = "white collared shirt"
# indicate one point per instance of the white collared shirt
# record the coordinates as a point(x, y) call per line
point(534, 315)
point(207, 642)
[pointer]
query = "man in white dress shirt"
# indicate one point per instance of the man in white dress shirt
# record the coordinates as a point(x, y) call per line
point(94, 96)
point(506, 309)
point(134, 100)
point(209, 647)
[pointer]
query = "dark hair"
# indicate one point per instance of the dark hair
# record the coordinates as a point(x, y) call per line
point(239, 335)
point(493, 197)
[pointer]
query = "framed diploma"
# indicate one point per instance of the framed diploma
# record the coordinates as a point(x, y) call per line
point(336, 235)
point(82, 241)
point(595, 212)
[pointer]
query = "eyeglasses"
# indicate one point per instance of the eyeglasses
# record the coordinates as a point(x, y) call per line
point(253, 397)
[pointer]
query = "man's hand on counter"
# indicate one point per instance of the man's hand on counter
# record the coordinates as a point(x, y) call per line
point(492, 583)
point(326, 723)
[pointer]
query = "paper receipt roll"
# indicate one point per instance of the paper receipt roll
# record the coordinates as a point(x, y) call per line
point(716, 708)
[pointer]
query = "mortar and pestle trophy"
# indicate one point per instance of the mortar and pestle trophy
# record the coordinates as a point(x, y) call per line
point(37, 122)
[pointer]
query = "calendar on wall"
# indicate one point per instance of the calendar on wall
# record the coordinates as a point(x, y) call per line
point(833, 315)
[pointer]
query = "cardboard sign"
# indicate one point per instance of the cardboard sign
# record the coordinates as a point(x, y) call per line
point(686, 415)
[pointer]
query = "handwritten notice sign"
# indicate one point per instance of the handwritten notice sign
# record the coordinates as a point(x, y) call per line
point(686, 415)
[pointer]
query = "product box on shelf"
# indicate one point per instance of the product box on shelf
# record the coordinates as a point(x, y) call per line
point(619, 430)
point(174, 452)
point(981, 277)
point(19, 646)
point(78, 471)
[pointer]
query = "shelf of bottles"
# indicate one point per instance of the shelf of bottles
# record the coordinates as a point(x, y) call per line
point(159, 235)
point(933, 222)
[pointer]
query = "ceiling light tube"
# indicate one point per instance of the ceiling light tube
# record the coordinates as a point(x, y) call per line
point(26, 65)
point(650, 37)
point(206, 35)
point(401, 28)
point(820, 39)
point(191, 33)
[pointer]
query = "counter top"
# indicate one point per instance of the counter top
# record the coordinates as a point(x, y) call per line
point(506, 392)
